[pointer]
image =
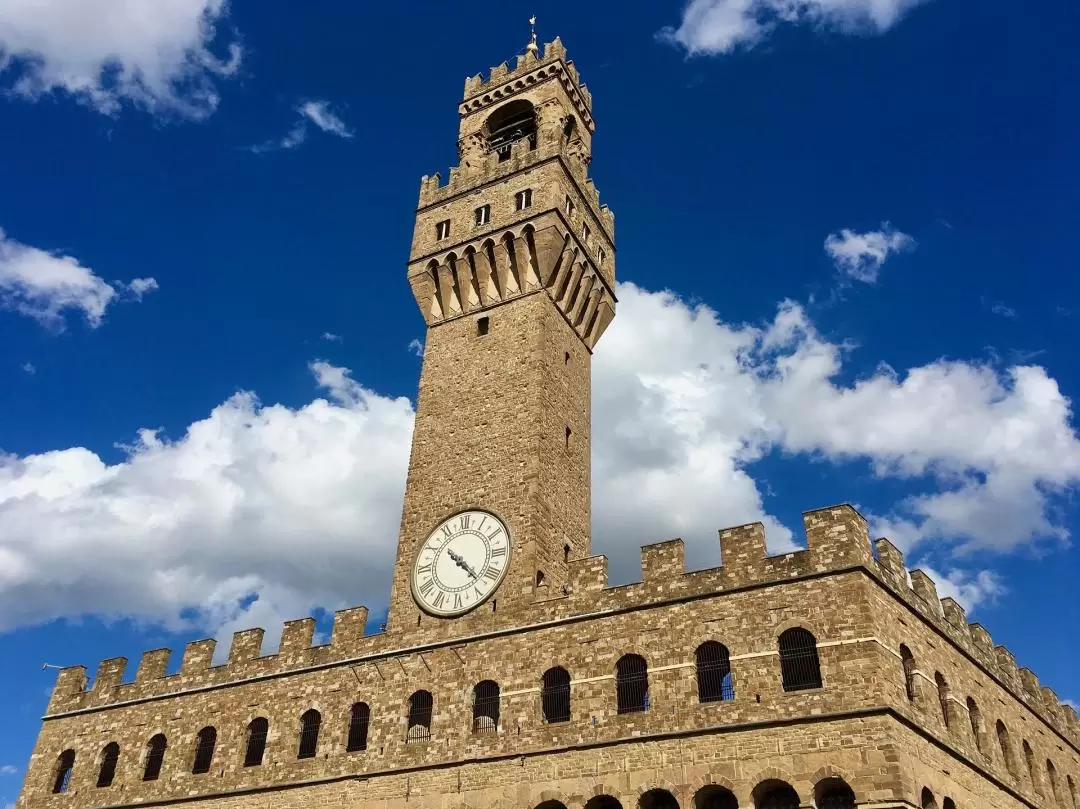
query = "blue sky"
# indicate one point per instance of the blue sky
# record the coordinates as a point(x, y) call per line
point(846, 247)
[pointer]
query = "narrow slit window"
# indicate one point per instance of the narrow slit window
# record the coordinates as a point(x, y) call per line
point(523, 199)
point(442, 230)
point(483, 215)
point(568, 206)
point(907, 660)
point(600, 255)
point(586, 232)
point(569, 432)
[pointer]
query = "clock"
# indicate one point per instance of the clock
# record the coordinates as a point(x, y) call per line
point(461, 563)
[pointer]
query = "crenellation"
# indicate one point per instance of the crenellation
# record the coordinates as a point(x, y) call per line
point(109, 676)
point(70, 685)
point(296, 637)
point(663, 561)
point(955, 615)
point(588, 575)
point(198, 657)
point(925, 588)
point(837, 537)
point(980, 636)
point(348, 631)
point(498, 73)
point(1031, 685)
point(743, 547)
point(246, 645)
point(153, 665)
point(1007, 669)
point(891, 564)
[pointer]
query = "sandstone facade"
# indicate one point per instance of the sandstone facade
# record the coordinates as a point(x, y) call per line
point(820, 678)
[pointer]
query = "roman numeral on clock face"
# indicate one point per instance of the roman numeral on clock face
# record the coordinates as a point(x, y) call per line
point(491, 573)
point(497, 552)
point(440, 597)
point(427, 586)
point(463, 522)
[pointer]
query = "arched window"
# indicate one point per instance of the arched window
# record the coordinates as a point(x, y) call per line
point(713, 672)
point(310, 722)
point(155, 757)
point(715, 797)
point(419, 728)
point(359, 719)
point(555, 695)
point(485, 707)
point(942, 695)
point(1006, 748)
point(1029, 758)
point(257, 730)
point(975, 716)
point(65, 763)
point(1051, 776)
point(775, 795)
point(1072, 792)
point(110, 756)
point(603, 802)
point(657, 799)
point(205, 742)
point(632, 684)
point(834, 793)
point(508, 124)
point(928, 801)
point(799, 665)
point(948, 804)
point(907, 659)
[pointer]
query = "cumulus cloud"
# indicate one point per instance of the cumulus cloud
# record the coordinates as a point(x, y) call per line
point(862, 255)
point(969, 590)
point(258, 513)
point(310, 112)
point(8, 769)
point(45, 285)
point(330, 337)
point(723, 26)
point(162, 56)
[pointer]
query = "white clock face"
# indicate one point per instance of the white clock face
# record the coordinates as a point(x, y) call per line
point(461, 563)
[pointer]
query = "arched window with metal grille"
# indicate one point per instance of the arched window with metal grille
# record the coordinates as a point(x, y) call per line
point(419, 727)
point(65, 765)
point(359, 719)
point(775, 795)
point(310, 722)
point(110, 756)
point(632, 684)
point(155, 757)
point(485, 707)
point(205, 742)
point(257, 731)
point(713, 664)
point(975, 717)
point(942, 695)
point(1002, 733)
point(555, 695)
point(1029, 758)
point(907, 660)
point(800, 668)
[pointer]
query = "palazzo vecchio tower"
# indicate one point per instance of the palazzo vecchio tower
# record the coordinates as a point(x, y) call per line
point(510, 675)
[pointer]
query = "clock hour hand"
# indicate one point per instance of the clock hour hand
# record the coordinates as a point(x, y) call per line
point(460, 562)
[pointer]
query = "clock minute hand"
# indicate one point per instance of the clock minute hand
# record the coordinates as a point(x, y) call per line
point(460, 562)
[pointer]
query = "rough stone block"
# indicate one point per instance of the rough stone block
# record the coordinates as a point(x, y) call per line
point(110, 673)
point(246, 645)
point(296, 636)
point(153, 665)
point(663, 561)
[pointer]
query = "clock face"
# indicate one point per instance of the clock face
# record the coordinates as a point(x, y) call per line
point(461, 563)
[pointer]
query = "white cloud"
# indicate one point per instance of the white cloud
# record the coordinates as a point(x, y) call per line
point(416, 347)
point(45, 285)
point(862, 255)
point(723, 26)
point(331, 338)
point(29, 367)
point(260, 513)
point(315, 112)
point(8, 769)
point(969, 590)
point(320, 114)
point(162, 55)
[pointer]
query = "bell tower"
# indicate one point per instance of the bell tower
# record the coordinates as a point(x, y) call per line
point(513, 266)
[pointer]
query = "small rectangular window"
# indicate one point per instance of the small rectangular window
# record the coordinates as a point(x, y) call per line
point(482, 325)
point(585, 233)
point(569, 207)
point(483, 214)
point(523, 199)
point(442, 230)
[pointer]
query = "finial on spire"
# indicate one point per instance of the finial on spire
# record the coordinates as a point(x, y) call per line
point(532, 48)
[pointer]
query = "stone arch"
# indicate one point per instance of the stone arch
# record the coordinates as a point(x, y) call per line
point(927, 799)
point(551, 803)
point(834, 793)
point(603, 801)
point(657, 798)
point(775, 793)
point(715, 796)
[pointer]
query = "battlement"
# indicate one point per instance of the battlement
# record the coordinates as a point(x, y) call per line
point(554, 53)
point(837, 542)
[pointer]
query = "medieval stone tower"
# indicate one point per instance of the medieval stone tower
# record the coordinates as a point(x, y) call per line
point(510, 676)
point(512, 265)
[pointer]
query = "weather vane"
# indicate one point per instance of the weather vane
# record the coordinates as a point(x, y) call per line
point(532, 41)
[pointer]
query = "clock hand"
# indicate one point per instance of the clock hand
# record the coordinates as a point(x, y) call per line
point(460, 562)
